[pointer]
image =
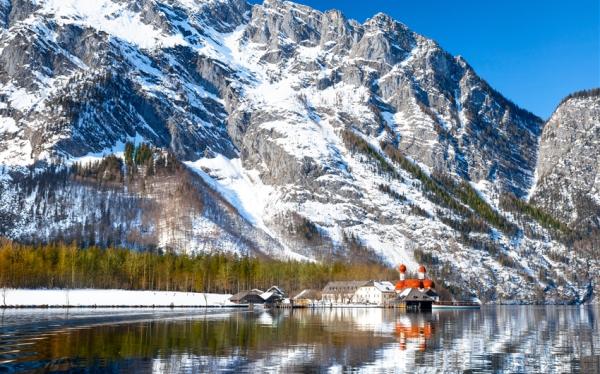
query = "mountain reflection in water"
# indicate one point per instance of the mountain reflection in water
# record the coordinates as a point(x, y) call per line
point(495, 339)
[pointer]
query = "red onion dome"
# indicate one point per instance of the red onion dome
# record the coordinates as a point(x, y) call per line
point(413, 283)
point(422, 269)
point(428, 283)
point(402, 268)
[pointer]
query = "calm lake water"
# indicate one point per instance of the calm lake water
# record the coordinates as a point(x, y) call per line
point(512, 339)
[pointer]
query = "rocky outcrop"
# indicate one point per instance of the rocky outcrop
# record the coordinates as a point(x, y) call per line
point(568, 171)
point(429, 103)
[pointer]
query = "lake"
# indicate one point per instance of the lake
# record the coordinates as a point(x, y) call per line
point(512, 339)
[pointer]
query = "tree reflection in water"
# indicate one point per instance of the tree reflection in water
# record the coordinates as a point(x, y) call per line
point(495, 339)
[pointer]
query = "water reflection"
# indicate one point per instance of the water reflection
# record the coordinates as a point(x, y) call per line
point(495, 339)
point(413, 334)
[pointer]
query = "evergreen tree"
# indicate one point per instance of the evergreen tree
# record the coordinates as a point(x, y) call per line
point(129, 152)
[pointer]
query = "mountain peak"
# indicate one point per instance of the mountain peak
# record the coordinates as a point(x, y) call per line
point(385, 22)
point(380, 17)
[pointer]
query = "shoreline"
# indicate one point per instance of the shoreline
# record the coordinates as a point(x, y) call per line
point(11, 298)
point(233, 306)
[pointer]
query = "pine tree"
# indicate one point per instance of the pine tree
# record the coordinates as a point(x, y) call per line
point(129, 151)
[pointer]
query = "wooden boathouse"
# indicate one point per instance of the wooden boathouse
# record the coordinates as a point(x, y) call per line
point(414, 299)
point(415, 294)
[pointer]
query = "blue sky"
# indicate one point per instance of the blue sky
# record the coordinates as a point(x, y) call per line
point(534, 52)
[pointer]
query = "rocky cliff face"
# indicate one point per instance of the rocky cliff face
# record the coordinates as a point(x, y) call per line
point(326, 136)
point(384, 81)
point(176, 74)
point(79, 78)
point(568, 172)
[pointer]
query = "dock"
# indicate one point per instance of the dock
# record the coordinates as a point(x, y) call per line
point(455, 305)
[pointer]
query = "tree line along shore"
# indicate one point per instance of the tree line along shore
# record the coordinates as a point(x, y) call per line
point(61, 265)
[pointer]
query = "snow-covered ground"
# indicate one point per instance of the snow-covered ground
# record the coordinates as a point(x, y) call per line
point(108, 298)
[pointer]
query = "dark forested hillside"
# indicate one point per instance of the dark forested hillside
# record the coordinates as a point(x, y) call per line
point(146, 199)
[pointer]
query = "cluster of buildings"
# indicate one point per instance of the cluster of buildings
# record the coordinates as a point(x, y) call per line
point(358, 292)
point(273, 295)
point(410, 293)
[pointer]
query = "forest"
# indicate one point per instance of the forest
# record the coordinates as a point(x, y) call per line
point(60, 265)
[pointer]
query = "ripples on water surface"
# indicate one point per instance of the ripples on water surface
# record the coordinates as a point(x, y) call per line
point(495, 339)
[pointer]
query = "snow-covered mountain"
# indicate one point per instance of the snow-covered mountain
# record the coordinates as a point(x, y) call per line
point(305, 134)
